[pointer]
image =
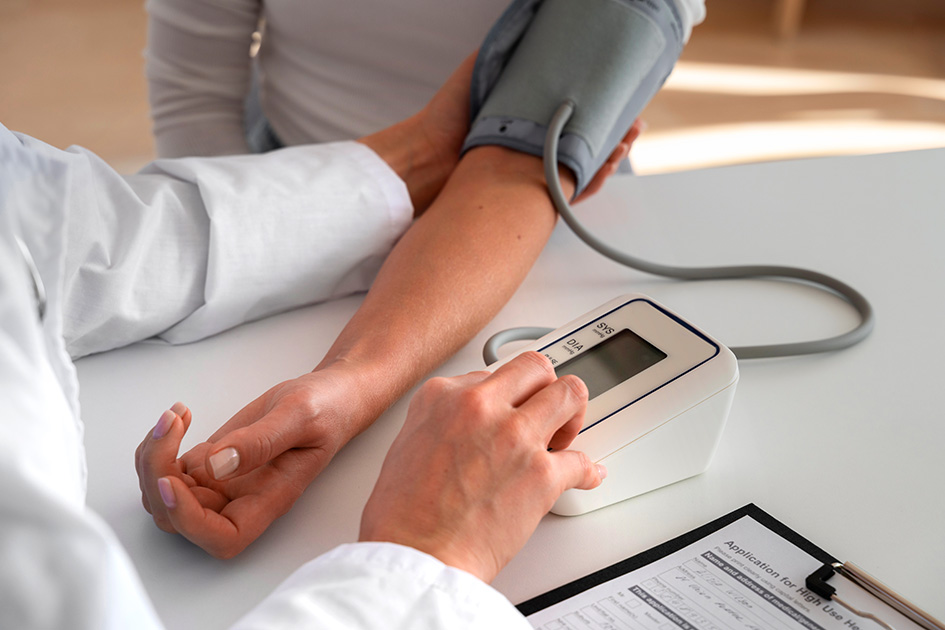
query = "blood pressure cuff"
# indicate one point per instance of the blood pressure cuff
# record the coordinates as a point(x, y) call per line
point(608, 57)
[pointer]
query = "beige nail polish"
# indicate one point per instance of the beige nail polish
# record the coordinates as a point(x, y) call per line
point(224, 463)
point(163, 424)
point(167, 493)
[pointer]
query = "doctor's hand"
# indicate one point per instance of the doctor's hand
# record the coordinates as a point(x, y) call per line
point(223, 493)
point(470, 475)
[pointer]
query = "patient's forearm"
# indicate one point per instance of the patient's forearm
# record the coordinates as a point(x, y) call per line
point(449, 275)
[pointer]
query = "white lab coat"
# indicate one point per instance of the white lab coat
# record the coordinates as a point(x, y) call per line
point(182, 250)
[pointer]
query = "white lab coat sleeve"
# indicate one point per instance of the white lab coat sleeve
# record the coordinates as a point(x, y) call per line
point(382, 585)
point(60, 565)
point(190, 247)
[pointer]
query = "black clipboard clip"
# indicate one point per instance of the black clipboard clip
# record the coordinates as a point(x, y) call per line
point(817, 583)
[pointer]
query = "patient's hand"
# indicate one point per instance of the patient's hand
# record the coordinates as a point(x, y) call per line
point(281, 441)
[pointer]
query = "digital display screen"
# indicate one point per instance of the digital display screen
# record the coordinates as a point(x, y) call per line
point(612, 361)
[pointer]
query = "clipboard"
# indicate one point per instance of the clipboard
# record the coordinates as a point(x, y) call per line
point(818, 582)
point(707, 578)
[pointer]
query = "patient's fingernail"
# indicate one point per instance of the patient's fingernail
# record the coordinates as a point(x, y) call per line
point(179, 408)
point(602, 470)
point(224, 463)
point(167, 493)
point(163, 424)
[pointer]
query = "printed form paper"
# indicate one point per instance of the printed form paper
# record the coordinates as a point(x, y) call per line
point(743, 576)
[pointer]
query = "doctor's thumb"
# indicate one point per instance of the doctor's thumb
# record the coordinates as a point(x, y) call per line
point(246, 449)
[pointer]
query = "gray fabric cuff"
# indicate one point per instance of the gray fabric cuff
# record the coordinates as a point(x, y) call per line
point(608, 57)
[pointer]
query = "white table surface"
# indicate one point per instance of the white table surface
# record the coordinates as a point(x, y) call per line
point(845, 448)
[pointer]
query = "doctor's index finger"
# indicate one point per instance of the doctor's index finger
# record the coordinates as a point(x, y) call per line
point(557, 410)
point(521, 378)
point(574, 469)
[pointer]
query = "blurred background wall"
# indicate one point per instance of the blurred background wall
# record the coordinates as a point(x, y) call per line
point(760, 80)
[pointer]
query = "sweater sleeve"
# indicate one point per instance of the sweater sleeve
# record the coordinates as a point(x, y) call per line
point(60, 564)
point(198, 69)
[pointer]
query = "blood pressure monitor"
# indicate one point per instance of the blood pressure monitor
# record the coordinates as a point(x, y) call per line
point(659, 393)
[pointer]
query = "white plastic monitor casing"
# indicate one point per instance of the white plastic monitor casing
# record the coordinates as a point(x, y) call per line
point(659, 426)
